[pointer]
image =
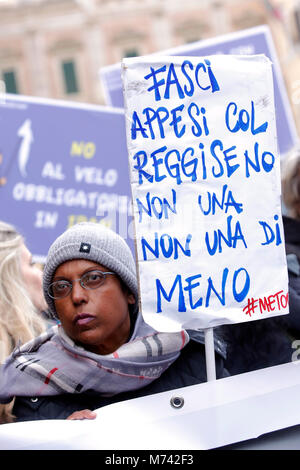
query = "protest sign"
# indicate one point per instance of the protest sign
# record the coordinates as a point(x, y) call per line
point(257, 40)
point(205, 178)
point(62, 163)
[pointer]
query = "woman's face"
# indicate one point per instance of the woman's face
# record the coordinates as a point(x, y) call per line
point(98, 319)
point(32, 278)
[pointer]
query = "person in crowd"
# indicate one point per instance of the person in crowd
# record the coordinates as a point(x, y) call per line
point(21, 298)
point(291, 224)
point(102, 351)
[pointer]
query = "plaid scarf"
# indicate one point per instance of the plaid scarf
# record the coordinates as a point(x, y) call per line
point(52, 364)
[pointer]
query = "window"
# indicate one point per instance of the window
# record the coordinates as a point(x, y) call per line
point(70, 79)
point(191, 40)
point(9, 78)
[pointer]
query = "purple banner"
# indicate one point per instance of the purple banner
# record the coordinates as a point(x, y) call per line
point(61, 164)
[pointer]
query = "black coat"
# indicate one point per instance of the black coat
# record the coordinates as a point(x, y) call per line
point(188, 369)
point(268, 342)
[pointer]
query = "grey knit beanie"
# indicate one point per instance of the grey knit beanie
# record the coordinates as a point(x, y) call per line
point(95, 242)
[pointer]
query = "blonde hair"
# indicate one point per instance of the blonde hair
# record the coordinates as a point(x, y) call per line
point(290, 181)
point(19, 319)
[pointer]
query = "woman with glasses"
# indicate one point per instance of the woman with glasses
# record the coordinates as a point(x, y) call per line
point(21, 298)
point(102, 351)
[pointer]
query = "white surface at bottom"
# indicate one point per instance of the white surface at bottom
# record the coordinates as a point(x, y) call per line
point(214, 414)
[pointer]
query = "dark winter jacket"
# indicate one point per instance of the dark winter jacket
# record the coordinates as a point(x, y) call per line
point(188, 369)
point(257, 344)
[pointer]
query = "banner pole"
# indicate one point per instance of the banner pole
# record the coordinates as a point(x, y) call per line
point(210, 354)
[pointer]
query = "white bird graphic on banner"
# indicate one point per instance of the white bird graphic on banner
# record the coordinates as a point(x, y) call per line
point(25, 133)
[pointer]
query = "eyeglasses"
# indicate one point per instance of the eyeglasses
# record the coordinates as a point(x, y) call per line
point(90, 280)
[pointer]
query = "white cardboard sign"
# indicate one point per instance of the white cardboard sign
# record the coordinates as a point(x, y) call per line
point(205, 179)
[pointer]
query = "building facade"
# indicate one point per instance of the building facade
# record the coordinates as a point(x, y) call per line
point(55, 48)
